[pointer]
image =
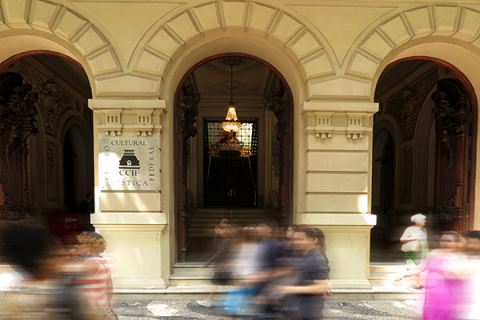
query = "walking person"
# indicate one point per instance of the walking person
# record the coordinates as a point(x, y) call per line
point(95, 275)
point(245, 266)
point(322, 248)
point(44, 293)
point(471, 307)
point(444, 286)
point(415, 244)
point(225, 242)
point(271, 253)
point(312, 283)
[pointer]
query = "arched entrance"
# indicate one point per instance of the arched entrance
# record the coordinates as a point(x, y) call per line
point(48, 168)
point(427, 127)
point(207, 180)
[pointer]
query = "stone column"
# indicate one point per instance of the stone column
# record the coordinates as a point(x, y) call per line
point(128, 191)
point(338, 185)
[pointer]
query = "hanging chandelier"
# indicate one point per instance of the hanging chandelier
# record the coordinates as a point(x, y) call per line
point(231, 123)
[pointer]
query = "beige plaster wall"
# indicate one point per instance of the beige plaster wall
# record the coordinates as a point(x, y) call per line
point(330, 52)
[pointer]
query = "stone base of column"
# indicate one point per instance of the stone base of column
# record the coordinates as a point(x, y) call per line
point(137, 248)
point(348, 246)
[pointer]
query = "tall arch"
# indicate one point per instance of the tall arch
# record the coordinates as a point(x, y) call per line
point(33, 26)
point(439, 31)
point(167, 41)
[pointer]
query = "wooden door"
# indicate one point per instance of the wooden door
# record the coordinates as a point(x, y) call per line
point(453, 128)
point(185, 114)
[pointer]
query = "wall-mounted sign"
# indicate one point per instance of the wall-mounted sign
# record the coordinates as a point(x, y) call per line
point(129, 163)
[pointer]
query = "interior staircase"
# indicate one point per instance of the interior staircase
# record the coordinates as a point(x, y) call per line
point(203, 220)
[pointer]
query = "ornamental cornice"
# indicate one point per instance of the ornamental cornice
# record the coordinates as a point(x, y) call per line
point(323, 119)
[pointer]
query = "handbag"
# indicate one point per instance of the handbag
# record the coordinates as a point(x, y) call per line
point(235, 300)
point(410, 246)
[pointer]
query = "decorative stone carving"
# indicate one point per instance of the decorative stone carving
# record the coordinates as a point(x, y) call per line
point(355, 126)
point(453, 117)
point(144, 127)
point(324, 128)
point(407, 175)
point(113, 122)
point(51, 151)
point(187, 102)
point(405, 106)
point(280, 109)
point(52, 99)
point(17, 123)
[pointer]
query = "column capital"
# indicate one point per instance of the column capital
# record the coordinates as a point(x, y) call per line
point(136, 117)
point(351, 118)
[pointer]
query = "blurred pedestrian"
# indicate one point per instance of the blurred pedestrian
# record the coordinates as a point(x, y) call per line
point(95, 275)
point(471, 308)
point(225, 241)
point(271, 252)
point(245, 266)
point(322, 248)
point(313, 272)
point(444, 287)
point(46, 292)
point(289, 247)
point(415, 244)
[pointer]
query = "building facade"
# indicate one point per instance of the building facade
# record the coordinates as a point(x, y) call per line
point(327, 58)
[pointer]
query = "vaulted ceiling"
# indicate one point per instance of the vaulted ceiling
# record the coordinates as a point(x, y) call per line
point(252, 81)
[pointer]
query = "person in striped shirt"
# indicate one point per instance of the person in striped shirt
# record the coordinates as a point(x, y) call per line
point(95, 276)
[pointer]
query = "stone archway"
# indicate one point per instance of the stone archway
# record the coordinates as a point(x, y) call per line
point(188, 123)
point(34, 26)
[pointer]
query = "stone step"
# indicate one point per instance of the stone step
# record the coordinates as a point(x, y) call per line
point(219, 211)
point(387, 267)
point(201, 292)
point(232, 221)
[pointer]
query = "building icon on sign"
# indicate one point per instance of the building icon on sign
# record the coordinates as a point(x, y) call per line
point(129, 160)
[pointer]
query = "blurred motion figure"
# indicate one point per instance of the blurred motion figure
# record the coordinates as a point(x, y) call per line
point(46, 291)
point(415, 244)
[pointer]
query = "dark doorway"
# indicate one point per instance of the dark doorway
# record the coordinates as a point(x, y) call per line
point(230, 175)
point(243, 175)
point(69, 159)
point(424, 138)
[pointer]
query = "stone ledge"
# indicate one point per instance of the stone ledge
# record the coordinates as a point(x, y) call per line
point(340, 219)
point(129, 218)
point(341, 107)
point(99, 104)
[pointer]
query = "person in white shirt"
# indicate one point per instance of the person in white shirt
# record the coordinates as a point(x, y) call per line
point(415, 244)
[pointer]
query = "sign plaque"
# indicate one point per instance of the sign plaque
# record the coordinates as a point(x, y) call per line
point(129, 163)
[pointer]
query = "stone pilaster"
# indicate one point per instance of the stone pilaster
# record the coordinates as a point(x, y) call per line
point(338, 185)
point(128, 191)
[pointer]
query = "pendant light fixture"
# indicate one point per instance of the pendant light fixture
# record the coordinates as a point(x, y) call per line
point(231, 123)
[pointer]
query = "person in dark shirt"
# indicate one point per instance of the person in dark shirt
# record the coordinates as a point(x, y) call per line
point(312, 282)
point(225, 242)
point(271, 254)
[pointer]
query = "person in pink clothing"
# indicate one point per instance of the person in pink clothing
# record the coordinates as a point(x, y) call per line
point(444, 287)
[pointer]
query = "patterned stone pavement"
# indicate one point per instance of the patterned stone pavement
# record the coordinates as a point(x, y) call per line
point(334, 310)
